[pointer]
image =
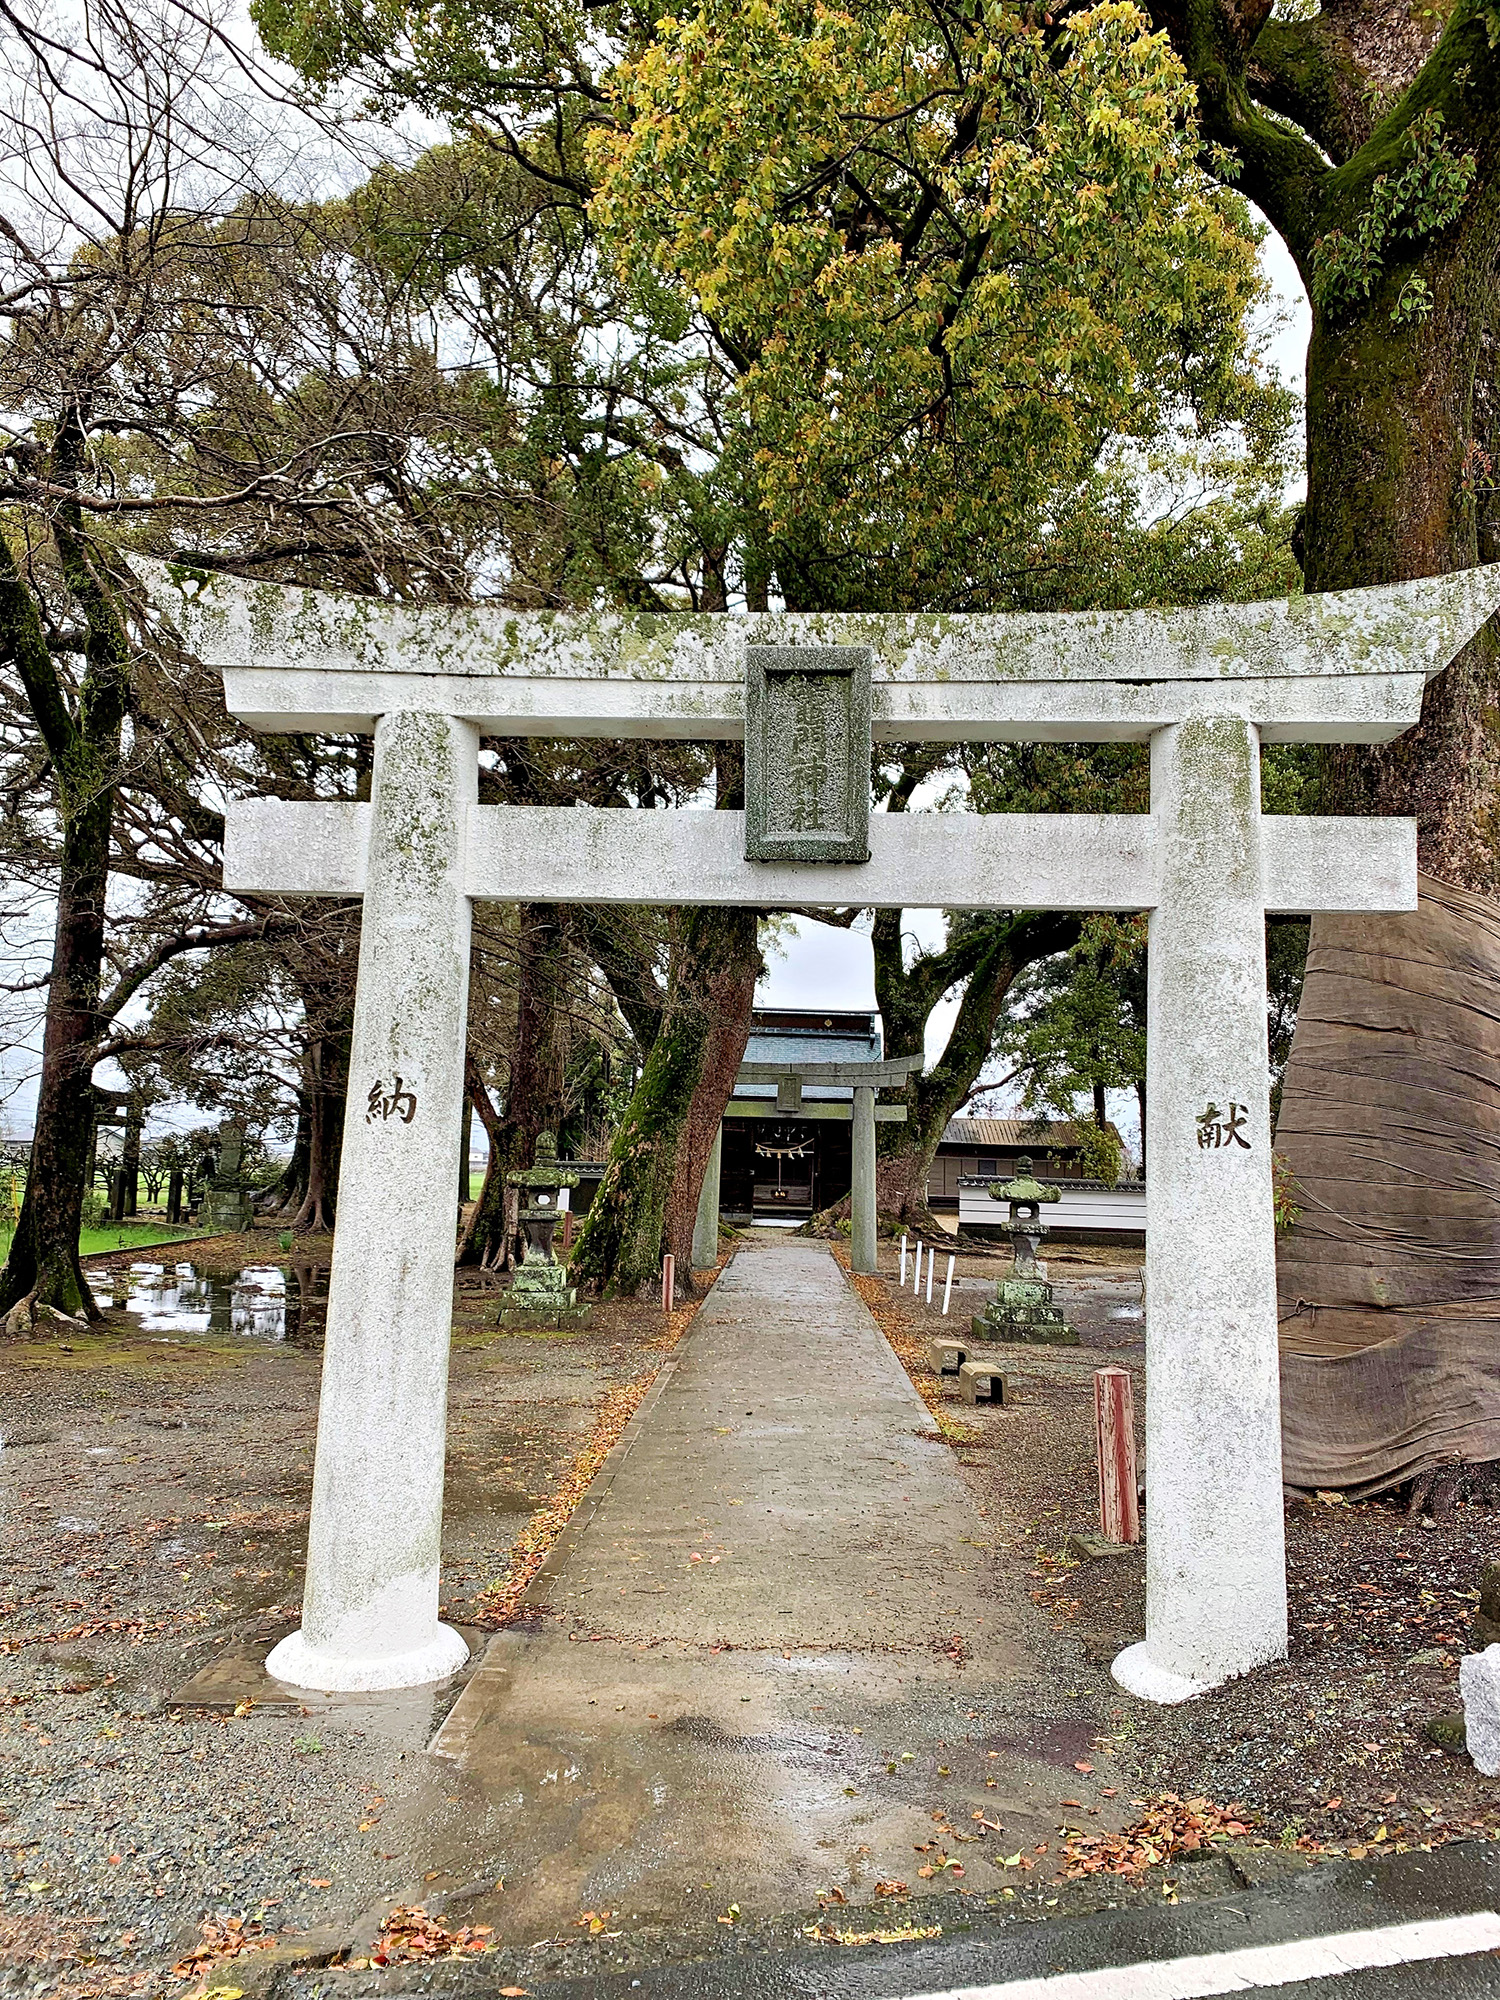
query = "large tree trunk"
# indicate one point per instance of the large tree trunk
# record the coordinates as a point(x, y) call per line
point(1392, 496)
point(534, 1093)
point(730, 997)
point(327, 1088)
point(1390, 1126)
point(624, 1233)
point(1386, 1114)
point(85, 749)
point(44, 1251)
point(292, 1185)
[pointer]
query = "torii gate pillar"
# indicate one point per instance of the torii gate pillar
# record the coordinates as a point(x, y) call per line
point(1215, 1544)
point(1204, 686)
point(369, 1610)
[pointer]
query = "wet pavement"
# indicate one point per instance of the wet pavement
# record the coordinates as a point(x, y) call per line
point(769, 1659)
point(1350, 1912)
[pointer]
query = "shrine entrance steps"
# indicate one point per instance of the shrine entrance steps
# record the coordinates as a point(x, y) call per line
point(768, 1650)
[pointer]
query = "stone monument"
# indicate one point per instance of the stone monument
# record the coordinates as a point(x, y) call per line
point(1022, 1308)
point(540, 1293)
point(226, 1207)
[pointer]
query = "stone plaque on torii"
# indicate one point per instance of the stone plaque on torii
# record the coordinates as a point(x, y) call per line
point(1205, 687)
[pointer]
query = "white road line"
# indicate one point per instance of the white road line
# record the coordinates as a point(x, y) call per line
point(1254, 1965)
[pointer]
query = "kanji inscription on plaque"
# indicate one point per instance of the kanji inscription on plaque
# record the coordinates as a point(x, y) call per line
point(807, 753)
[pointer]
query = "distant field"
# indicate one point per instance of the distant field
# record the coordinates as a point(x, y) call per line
point(119, 1236)
point(122, 1235)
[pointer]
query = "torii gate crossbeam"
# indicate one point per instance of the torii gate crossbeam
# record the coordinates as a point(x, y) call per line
point(1205, 687)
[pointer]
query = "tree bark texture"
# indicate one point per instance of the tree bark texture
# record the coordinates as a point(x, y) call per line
point(1400, 1190)
point(729, 997)
point(534, 1092)
point(326, 1085)
point(85, 749)
point(1390, 1277)
point(703, 1032)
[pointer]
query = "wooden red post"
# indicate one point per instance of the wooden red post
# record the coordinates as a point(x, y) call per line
point(1114, 1425)
point(668, 1275)
point(567, 1229)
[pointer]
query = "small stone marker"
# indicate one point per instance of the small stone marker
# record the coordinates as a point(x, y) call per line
point(1479, 1683)
point(225, 1204)
point(981, 1382)
point(1485, 1631)
point(947, 1356)
point(1094, 1548)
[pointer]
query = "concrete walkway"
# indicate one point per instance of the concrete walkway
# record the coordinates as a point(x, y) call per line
point(768, 1655)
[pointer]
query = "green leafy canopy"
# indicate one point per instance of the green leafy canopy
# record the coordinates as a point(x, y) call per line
point(954, 252)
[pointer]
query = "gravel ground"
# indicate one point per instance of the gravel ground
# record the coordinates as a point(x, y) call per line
point(153, 1501)
point(1326, 1749)
point(153, 1510)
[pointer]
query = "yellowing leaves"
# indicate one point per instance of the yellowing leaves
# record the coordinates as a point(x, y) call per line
point(951, 271)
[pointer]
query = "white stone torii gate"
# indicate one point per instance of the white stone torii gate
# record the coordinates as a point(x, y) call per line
point(1206, 687)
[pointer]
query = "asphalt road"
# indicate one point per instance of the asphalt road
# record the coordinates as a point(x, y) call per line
point(1337, 1899)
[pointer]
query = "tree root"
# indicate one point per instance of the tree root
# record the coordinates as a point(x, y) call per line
point(1438, 1490)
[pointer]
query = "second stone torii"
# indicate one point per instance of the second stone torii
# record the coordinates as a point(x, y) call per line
point(865, 1080)
point(1205, 687)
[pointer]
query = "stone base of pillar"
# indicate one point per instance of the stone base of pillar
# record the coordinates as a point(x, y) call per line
point(1136, 1672)
point(302, 1665)
point(226, 1212)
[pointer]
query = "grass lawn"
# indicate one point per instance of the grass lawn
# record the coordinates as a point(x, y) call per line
point(118, 1236)
point(122, 1235)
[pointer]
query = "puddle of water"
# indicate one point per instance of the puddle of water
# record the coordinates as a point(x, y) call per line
point(266, 1302)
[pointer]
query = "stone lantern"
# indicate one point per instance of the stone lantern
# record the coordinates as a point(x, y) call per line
point(1022, 1307)
point(540, 1288)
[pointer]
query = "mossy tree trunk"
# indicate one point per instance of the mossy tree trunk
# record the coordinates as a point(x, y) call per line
point(656, 1163)
point(83, 742)
point(1380, 168)
point(730, 973)
point(327, 1091)
point(648, 1200)
point(1392, 483)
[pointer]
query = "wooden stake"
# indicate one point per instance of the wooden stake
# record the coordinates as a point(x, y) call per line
point(948, 1285)
point(567, 1229)
point(903, 1263)
point(668, 1276)
point(1114, 1425)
